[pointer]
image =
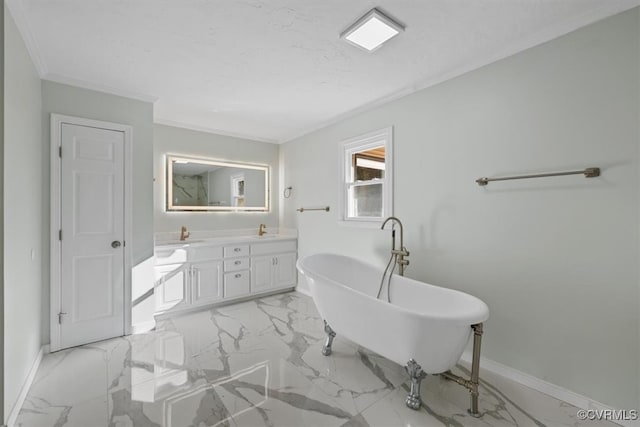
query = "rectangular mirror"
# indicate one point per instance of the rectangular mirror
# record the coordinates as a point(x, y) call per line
point(199, 184)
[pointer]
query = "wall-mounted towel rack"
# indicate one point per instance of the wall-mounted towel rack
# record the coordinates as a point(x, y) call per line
point(588, 173)
point(326, 209)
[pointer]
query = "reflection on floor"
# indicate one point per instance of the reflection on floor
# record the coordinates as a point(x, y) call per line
point(258, 363)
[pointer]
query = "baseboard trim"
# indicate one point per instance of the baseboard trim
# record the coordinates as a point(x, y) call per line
point(13, 415)
point(303, 291)
point(575, 399)
point(140, 328)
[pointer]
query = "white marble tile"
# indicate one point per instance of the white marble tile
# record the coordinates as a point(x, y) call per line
point(37, 413)
point(259, 363)
point(71, 376)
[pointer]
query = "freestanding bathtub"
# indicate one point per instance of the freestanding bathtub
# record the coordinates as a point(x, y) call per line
point(425, 328)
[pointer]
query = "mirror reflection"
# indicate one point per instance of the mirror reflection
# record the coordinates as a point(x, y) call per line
point(213, 185)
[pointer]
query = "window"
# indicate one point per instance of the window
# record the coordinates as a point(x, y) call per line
point(237, 190)
point(367, 178)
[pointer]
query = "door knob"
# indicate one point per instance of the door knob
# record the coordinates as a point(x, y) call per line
point(115, 244)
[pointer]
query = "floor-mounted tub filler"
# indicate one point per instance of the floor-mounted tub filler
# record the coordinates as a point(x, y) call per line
point(425, 328)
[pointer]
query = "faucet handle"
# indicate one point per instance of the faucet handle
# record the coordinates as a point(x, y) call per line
point(184, 234)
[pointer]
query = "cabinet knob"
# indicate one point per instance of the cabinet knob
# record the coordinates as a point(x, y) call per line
point(115, 244)
point(236, 249)
point(238, 262)
point(237, 276)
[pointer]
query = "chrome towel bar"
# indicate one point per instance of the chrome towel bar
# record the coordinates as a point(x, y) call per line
point(588, 173)
point(313, 209)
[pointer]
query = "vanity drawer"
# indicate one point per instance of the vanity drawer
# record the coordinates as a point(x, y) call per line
point(236, 284)
point(236, 250)
point(273, 247)
point(201, 253)
point(236, 264)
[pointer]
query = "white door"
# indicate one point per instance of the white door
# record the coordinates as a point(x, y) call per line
point(92, 234)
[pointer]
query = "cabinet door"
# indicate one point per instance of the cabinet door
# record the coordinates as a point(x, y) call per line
point(172, 291)
point(262, 273)
point(206, 284)
point(285, 270)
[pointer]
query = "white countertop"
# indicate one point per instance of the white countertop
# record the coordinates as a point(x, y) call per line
point(195, 242)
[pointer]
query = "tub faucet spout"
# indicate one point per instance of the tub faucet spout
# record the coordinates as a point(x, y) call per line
point(401, 252)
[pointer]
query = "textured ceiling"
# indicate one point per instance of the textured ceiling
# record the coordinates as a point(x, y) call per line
point(274, 70)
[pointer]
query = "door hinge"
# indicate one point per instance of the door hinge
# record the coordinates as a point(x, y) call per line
point(60, 317)
point(60, 151)
point(60, 234)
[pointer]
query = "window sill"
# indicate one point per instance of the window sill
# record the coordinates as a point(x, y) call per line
point(361, 224)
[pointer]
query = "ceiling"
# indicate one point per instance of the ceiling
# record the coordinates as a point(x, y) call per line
point(273, 70)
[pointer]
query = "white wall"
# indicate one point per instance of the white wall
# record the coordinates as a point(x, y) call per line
point(23, 210)
point(2, 38)
point(174, 140)
point(74, 101)
point(555, 259)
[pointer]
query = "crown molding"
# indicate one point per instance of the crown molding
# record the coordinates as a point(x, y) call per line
point(552, 32)
point(607, 9)
point(126, 93)
point(19, 17)
point(206, 129)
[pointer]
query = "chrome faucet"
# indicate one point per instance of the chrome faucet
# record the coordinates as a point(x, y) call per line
point(184, 234)
point(261, 230)
point(401, 252)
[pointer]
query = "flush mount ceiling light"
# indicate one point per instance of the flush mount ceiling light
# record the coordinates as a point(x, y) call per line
point(372, 30)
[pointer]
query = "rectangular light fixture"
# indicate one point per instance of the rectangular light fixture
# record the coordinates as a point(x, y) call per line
point(372, 30)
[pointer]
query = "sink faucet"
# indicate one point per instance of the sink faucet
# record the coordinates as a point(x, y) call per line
point(261, 230)
point(401, 252)
point(184, 234)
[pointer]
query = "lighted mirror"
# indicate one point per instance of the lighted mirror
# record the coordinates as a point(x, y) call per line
point(197, 184)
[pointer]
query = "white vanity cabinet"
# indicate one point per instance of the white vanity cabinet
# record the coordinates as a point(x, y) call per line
point(206, 282)
point(210, 272)
point(205, 274)
point(172, 279)
point(171, 291)
point(273, 265)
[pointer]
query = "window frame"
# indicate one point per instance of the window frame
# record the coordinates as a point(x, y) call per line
point(235, 196)
point(351, 146)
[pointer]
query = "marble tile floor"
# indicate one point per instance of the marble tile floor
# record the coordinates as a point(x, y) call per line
point(258, 363)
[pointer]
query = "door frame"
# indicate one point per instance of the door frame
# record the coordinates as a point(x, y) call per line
point(57, 120)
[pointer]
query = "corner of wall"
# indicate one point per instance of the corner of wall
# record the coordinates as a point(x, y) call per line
point(2, 414)
point(637, 12)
